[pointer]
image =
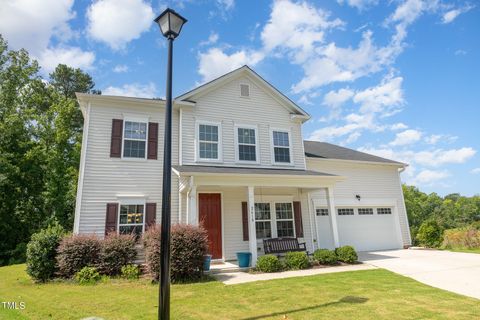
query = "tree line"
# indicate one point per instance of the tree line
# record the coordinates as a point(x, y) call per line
point(40, 139)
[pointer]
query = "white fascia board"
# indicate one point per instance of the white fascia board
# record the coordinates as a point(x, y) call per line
point(398, 165)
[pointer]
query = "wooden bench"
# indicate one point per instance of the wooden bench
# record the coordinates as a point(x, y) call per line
point(283, 245)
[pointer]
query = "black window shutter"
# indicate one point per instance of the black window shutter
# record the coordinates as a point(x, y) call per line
point(297, 211)
point(245, 220)
point(150, 215)
point(116, 138)
point(152, 140)
point(111, 218)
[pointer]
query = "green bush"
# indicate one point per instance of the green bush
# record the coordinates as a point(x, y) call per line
point(188, 246)
point(76, 252)
point(41, 252)
point(325, 256)
point(130, 272)
point(87, 275)
point(297, 260)
point(346, 254)
point(269, 263)
point(429, 234)
point(117, 250)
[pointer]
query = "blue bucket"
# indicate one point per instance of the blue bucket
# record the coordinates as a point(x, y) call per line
point(206, 262)
point(244, 259)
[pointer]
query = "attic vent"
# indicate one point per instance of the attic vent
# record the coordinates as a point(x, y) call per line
point(244, 90)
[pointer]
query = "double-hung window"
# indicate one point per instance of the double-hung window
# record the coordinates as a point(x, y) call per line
point(134, 139)
point(281, 146)
point(131, 219)
point(284, 216)
point(247, 144)
point(208, 142)
point(263, 220)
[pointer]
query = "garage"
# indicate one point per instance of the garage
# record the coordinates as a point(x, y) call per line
point(365, 228)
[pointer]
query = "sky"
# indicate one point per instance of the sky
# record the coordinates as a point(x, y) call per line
point(395, 78)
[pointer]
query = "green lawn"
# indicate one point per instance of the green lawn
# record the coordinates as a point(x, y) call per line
point(370, 294)
point(475, 250)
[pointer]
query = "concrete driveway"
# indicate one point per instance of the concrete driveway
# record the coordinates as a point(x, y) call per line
point(452, 271)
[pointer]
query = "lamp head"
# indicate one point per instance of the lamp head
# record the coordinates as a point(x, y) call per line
point(170, 23)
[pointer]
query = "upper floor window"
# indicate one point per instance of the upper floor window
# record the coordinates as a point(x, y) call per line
point(134, 139)
point(281, 146)
point(208, 137)
point(247, 148)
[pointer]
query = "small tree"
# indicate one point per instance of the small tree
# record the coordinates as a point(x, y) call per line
point(430, 234)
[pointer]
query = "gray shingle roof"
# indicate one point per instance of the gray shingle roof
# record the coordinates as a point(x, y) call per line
point(241, 170)
point(315, 149)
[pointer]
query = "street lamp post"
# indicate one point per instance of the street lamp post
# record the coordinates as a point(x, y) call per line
point(170, 24)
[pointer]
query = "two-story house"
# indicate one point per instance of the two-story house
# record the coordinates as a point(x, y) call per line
point(240, 168)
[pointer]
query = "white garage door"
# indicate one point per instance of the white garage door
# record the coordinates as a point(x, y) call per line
point(368, 228)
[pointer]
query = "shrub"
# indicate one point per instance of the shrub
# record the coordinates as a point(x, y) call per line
point(297, 260)
point(269, 263)
point(130, 272)
point(41, 252)
point(346, 254)
point(325, 256)
point(76, 252)
point(188, 246)
point(468, 237)
point(117, 250)
point(429, 234)
point(87, 275)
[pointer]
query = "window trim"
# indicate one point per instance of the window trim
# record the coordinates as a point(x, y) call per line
point(237, 144)
point(197, 141)
point(272, 147)
point(139, 120)
point(322, 208)
point(273, 217)
point(128, 202)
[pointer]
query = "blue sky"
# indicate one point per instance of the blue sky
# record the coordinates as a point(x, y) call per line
point(395, 78)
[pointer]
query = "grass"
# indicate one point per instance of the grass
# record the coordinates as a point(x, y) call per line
point(466, 250)
point(369, 294)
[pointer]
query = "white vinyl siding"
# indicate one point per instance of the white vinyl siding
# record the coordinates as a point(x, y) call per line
point(225, 106)
point(108, 179)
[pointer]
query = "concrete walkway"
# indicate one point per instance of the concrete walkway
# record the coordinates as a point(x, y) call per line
point(244, 277)
point(452, 271)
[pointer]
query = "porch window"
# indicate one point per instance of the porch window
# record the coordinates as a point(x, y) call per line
point(134, 139)
point(131, 219)
point(284, 217)
point(281, 147)
point(247, 149)
point(263, 220)
point(208, 141)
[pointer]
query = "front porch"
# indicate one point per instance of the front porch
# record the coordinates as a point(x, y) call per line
point(242, 207)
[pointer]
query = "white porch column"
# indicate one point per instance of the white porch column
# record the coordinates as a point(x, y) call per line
point(180, 199)
point(313, 224)
point(192, 206)
point(333, 216)
point(252, 234)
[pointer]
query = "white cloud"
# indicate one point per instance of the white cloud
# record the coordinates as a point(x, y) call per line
point(117, 22)
point(398, 126)
point(335, 99)
point(451, 15)
point(226, 4)
point(440, 157)
point(132, 90)
point(296, 27)
point(460, 52)
point(71, 56)
point(359, 4)
point(32, 25)
point(435, 138)
point(475, 171)
point(212, 39)
point(215, 62)
point(406, 137)
point(383, 98)
point(119, 68)
point(429, 177)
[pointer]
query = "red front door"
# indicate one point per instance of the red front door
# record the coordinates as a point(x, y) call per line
point(210, 216)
